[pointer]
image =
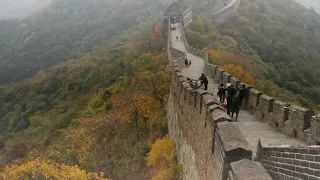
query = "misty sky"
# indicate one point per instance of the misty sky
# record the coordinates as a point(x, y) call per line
point(310, 3)
point(20, 8)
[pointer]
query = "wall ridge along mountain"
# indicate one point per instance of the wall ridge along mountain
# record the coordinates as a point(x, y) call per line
point(210, 146)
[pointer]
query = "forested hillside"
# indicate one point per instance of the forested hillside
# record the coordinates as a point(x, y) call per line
point(100, 104)
point(66, 30)
point(274, 41)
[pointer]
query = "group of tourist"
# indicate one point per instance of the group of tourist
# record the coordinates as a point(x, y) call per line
point(232, 97)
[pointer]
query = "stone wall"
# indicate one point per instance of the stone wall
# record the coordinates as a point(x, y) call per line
point(292, 120)
point(206, 141)
point(221, 17)
point(292, 163)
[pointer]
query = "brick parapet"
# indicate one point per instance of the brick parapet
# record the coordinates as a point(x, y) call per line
point(290, 162)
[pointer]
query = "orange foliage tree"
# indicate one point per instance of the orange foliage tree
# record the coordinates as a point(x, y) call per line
point(237, 71)
point(222, 58)
point(234, 64)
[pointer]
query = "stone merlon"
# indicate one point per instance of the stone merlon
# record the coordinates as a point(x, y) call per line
point(266, 97)
point(254, 91)
point(233, 141)
point(249, 170)
point(301, 109)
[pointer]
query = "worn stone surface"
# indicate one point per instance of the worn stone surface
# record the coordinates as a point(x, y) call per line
point(231, 137)
point(249, 170)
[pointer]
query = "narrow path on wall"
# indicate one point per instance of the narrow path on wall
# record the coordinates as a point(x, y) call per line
point(226, 7)
point(251, 128)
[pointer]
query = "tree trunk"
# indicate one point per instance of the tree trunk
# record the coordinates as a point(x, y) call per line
point(136, 122)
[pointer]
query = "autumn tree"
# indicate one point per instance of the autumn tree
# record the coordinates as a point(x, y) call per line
point(237, 71)
point(162, 157)
point(37, 169)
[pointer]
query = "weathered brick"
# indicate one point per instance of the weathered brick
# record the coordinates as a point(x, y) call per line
point(308, 171)
point(303, 151)
point(314, 165)
point(300, 156)
point(299, 169)
point(305, 164)
point(285, 154)
point(295, 174)
point(296, 162)
point(278, 165)
point(289, 161)
point(303, 176)
point(313, 178)
point(317, 158)
point(295, 150)
point(292, 155)
point(288, 150)
point(317, 173)
point(282, 160)
point(309, 157)
point(314, 151)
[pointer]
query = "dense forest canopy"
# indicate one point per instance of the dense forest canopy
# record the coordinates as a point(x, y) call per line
point(66, 30)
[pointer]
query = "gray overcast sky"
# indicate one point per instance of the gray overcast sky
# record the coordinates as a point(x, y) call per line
point(313, 3)
point(20, 8)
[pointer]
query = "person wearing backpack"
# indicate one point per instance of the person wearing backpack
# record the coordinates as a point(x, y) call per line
point(221, 93)
point(204, 81)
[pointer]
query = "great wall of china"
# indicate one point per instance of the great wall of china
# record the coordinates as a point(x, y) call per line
point(271, 139)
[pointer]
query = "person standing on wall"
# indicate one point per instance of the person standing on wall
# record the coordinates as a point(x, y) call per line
point(242, 94)
point(186, 63)
point(235, 107)
point(221, 93)
point(204, 81)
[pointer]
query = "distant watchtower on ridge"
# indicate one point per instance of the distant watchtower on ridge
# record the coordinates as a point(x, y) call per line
point(179, 10)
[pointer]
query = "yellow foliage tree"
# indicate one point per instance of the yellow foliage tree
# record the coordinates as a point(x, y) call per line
point(162, 157)
point(237, 71)
point(34, 170)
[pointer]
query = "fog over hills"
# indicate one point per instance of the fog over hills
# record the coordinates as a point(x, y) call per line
point(315, 4)
point(20, 8)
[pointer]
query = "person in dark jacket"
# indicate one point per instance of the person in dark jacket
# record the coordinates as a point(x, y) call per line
point(186, 63)
point(235, 107)
point(242, 93)
point(221, 93)
point(204, 81)
point(229, 104)
point(232, 92)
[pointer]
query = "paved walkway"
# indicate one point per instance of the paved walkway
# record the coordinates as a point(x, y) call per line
point(225, 7)
point(250, 126)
